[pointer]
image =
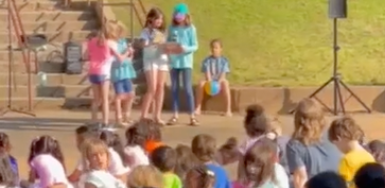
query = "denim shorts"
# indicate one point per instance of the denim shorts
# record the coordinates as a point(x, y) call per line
point(123, 86)
point(97, 79)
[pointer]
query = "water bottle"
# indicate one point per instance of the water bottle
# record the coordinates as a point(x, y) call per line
point(42, 78)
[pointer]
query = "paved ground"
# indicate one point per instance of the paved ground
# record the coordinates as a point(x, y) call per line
point(61, 124)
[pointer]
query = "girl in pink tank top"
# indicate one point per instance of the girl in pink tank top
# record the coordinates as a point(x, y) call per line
point(101, 55)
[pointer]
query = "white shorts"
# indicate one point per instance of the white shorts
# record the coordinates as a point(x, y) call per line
point(157, 64)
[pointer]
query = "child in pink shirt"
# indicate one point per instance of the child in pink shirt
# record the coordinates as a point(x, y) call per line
point(101, 54)
point(47, 163)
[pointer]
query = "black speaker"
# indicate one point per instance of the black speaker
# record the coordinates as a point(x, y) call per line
point(338, 9)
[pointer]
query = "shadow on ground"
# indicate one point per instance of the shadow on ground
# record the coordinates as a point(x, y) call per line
point(45, 124)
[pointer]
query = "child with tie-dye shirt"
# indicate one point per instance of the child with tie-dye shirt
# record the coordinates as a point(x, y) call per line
point(215, 67)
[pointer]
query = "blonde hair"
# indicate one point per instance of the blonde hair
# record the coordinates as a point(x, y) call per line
point(309, 122)
point(89, 147)
point(113, 30)
point(145, 176)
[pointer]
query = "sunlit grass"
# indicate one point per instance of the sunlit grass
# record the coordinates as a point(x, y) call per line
point(287, 42)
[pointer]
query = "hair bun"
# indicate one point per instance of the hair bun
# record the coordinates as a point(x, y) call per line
point(254, 110)
point(231, 143)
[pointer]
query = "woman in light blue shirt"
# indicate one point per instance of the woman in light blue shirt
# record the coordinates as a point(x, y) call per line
point(183, 32)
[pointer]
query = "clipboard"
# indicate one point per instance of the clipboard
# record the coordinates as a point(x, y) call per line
point(171, 48)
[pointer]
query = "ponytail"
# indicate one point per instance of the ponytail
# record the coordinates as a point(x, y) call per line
point(253, 111)
point(102, 36)
point(200, 177)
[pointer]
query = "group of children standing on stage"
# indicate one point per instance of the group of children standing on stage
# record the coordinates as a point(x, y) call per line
point(110, 61)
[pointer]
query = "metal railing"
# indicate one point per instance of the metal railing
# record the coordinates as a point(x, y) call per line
point(18, 29)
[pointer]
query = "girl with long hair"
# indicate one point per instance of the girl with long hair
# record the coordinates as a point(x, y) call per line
point(309, 151)
point(261, 167)
point(101, 55)
point(47, 163)
point(117, 167)
point(183, 32)
point(96, 161)
point(155, 63)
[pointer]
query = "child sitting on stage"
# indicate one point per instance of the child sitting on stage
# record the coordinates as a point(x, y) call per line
point(215, 67)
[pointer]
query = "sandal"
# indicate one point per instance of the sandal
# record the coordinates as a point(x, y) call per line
point(160, 122)
point(194, 122)
point(172, 121)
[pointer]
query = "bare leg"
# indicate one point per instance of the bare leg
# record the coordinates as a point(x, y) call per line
point(105, 101)
point(118, 109)
point(149, 96)
point(127, 106)
point(96, 100)
point(199, 97)
point(227, 93)
point(159, 95)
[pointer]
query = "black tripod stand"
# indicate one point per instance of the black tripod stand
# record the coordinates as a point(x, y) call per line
point(11, 72)
point(337, 82)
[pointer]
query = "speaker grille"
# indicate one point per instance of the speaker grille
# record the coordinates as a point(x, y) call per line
point(338, 9)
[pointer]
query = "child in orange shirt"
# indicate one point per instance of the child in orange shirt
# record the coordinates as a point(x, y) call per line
point(153, 136)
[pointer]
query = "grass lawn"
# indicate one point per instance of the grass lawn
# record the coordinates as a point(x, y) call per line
point(287, 42)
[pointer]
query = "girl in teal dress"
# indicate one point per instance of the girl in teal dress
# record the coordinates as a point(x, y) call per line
point(121, 75)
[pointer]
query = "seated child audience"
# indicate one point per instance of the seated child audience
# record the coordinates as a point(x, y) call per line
point(200, 177)
point(5, 148)
point(164, 158)
point(134, 150)
point(96, 161)
point(186, 160)
point(327, 179)
point(377, 149)
point(204, 148)
point(116, 165)
point(47, 163)
point(153, 135)
point(215, 67)
point(309, 152)
point(261, 167)
point(82, 133)
point(345, 134)
point(8, 177)
point(370, 175)
point(145, 176)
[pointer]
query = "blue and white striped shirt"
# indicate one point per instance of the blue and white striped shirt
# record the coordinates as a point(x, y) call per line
point(216, 66)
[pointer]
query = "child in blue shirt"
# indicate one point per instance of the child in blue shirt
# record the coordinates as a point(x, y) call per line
point(204, 148)
point(183, 32)
point(121, 75)
point(215, 67)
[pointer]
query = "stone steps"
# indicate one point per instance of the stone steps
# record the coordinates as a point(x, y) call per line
point(53, 37)
point(41, 103)
point(55, 91)
point(34, 5)
point(47, 65)
point(52, 79)
point(56, 26)
point(40, 16)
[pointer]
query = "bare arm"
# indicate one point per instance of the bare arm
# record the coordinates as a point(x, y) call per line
point(119, 56)
point(75, 176)
point(300, 177)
